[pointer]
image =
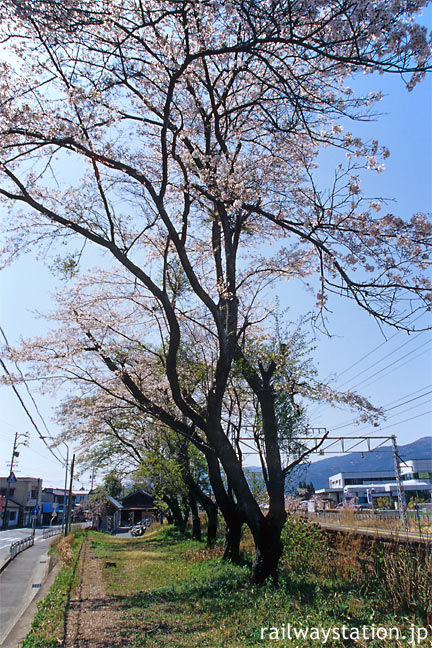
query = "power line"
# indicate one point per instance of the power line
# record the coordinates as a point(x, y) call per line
point(27, 388)
point(407, 395)
point(411, 418)
point(393, 363)
point(385, 357)
point(369, 353)
point(389, 372)
point(352, 421)
point(386, 406)
point(23, 405)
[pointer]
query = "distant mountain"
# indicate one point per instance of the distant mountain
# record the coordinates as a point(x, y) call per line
point(319, 472)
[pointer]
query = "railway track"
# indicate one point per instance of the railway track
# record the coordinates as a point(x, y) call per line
point(385, 535)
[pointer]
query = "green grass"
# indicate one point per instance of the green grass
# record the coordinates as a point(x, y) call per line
point(48, 625)
point(173, 594)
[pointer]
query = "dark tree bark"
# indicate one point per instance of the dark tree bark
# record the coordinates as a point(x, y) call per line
point(179, 518)
point(197, 492)
point(229, 508)
point(232, 539)
point(196, 522)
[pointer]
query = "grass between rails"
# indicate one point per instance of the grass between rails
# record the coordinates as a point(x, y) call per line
point(47, 629)
point(175, 593)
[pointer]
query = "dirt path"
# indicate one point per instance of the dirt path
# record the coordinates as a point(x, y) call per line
point(93, 619)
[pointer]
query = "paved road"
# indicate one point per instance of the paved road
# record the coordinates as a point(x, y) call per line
point(13, 535)
point(17, 581)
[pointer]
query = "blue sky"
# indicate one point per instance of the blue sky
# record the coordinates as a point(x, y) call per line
point(399, 370)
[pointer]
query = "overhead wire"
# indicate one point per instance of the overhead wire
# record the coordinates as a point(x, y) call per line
point(411, 418)
point(368, 379)
point(384, 358)
point(23, 405)
point(388, 409)
point(369, 353)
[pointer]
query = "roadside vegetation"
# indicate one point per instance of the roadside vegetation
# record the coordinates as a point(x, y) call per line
point(176, 592)
point(47, 629)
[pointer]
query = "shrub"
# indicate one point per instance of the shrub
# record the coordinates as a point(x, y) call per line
point(305, 546)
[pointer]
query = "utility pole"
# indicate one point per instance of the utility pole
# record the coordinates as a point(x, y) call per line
point(65, 490)
point(69, 505)
point(11, 477)
point(400, 492)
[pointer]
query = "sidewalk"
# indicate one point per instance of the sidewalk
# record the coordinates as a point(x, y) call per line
point(20, 583)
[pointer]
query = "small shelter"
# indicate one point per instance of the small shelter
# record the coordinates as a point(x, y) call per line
point(138, 506)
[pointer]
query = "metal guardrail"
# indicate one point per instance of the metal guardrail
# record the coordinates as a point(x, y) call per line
point(52, 531)
point(21, 545)
point(56, 530)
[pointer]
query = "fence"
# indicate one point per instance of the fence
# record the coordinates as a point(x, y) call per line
point(21, 545)
point(56, 530)
point(52, 531)
point(422, 518)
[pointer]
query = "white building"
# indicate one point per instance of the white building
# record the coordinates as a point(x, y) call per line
point(417, 469)
point(365, 487)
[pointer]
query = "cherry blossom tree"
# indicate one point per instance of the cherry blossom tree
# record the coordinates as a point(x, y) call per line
point(181, 137)
point(111, 431)
point(99, 344)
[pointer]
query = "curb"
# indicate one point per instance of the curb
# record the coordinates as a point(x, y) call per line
point(5, 564)
point(19, 631)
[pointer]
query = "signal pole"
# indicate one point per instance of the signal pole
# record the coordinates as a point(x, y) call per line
point(15, 453)
point(65, 490)
point(401, 495)
point(69, 506)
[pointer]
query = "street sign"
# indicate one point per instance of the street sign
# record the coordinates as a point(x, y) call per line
point(11, 479)
point(36, 510)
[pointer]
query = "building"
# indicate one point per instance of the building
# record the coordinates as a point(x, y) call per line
point(108, 514)
point(366, 488)
point(416, 469)
point(138, 506)
point(342, 479)
point(24, 497)
point(54, 502)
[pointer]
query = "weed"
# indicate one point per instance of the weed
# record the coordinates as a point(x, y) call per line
point(47, 627)
point(305, 547)
point(402, 577)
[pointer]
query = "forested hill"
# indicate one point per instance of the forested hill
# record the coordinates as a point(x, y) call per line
point(318, 472)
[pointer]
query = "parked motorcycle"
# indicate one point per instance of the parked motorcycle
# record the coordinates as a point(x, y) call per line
point(138, 529)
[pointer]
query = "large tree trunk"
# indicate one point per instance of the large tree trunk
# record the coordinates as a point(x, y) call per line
point(196, 522)
point(266, 530)
point(268, 550)
point(180, 519)
point(229, 508)
point(211, 510)
point(232, 539)
point(204, 500)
